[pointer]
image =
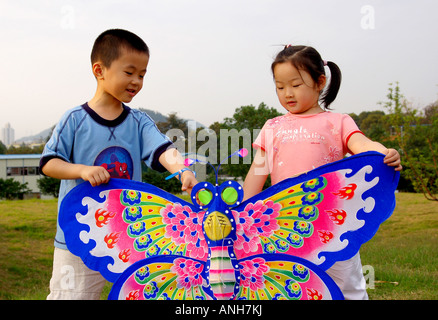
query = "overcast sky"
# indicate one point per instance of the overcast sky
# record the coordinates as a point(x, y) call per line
point(210, 57)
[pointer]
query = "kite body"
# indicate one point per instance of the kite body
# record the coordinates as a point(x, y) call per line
point(275, 245)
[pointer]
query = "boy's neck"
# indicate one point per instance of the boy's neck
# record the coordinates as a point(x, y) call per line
point(106, 106)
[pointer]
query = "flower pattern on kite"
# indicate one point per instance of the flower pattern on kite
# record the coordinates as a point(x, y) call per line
point(275, 245)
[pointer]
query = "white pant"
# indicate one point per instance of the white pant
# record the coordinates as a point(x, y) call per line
point(349, 278)
point(72, 280)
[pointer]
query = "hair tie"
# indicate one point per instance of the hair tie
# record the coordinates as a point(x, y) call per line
point(324, 62)
point(287, 46)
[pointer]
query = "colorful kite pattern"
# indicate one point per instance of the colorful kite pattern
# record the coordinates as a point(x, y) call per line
point(275, 245)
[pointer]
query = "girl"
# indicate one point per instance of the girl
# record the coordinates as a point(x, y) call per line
point(308, 136)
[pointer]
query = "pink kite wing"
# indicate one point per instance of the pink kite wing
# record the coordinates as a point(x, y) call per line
point(322, 216)
point(167, 277)
point(281, 277)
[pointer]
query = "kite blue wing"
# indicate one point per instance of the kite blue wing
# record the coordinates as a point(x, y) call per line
point(114, 225)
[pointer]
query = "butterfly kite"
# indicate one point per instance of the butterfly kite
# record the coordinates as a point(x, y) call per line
point(275, 245)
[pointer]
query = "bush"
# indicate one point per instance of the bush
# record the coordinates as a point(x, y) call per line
point(49, 186)
point(11, 189)
point(158, 179)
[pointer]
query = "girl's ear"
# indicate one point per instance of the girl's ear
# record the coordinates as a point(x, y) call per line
point(322, 80)
point(98, 70)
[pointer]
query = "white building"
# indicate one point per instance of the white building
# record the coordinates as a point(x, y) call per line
point(22, 168)
point(8, 135)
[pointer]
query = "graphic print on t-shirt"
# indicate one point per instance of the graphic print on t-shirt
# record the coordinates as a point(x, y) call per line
point(117, 161)
point(298, 135)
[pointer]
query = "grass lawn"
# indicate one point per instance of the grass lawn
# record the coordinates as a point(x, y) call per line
point(404, 252)
point(401, 260)
point(27, 229)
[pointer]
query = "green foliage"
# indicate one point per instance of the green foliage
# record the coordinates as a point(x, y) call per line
point(373, 124)
point(3, 148)
point(25, 149)
point(12, 189)
point(416, 135)
point(246, 118)
point(250, 117)
point(414, 132)
point(49, 185)
point(158, 179)
point(173, 122)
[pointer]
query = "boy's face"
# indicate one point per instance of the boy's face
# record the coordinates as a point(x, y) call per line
point(124, 78)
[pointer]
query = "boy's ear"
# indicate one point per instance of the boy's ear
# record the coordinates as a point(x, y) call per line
point(98, 70)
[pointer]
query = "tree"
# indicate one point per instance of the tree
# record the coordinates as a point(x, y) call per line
point(245, 118)
point(25, 149)
point(11, 189)
point(251, 117)
point(159, 179)
point(49, 185)
point(417, 138)
point(173, 122)
point(3, 148)
point(176, 129)
point(372, 124)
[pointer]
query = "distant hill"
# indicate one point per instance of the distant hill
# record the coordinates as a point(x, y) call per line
point(155, 115)
point(159, 117)
point(37, 138)
point(45, 134)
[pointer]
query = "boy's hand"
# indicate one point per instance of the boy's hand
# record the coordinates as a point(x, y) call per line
point(60, 169)
point(392, 159)
point(188, 181)
point(95, 175)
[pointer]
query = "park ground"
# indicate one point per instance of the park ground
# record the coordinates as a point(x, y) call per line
point(400, 262)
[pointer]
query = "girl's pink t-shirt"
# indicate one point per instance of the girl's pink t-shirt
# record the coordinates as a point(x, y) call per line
point(295, 144)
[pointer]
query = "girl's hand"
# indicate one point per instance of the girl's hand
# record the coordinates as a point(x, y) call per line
point(360, 143)
point(392, 159)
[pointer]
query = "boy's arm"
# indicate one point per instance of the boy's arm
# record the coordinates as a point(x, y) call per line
point(60, 169)
point(256, 176)
point(360, 143)
point(172, 160)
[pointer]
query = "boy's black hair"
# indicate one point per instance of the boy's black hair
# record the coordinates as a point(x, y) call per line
point(308, 59)
point(107, 46)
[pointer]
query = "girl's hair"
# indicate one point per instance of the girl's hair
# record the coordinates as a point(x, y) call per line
point(308, 59)
point(107, 46)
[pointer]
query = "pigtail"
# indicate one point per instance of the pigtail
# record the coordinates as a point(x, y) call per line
point(331, 92)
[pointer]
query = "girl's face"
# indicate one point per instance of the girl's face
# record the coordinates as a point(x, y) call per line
point(296, 90)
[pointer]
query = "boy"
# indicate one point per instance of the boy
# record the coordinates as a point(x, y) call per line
point(102, 139)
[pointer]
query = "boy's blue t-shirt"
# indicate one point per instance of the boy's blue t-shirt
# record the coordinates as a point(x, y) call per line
point(120, 145)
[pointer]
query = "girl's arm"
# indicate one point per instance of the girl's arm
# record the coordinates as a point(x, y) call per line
point(60, 169)
point(257, 174)
point(360, 143)
point(172, 160)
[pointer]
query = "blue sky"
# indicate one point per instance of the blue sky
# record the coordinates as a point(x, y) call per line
point(210, 57)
